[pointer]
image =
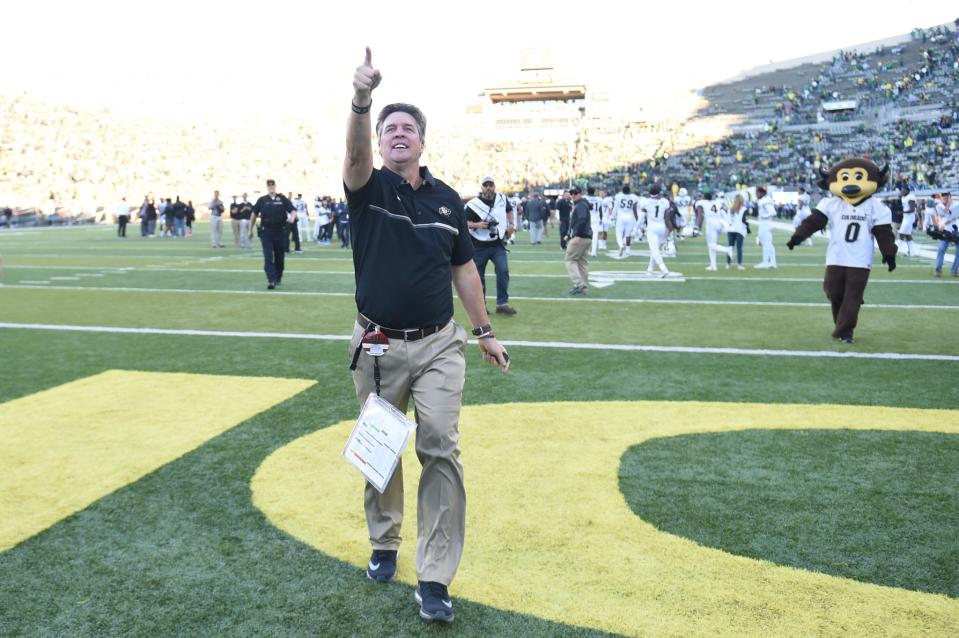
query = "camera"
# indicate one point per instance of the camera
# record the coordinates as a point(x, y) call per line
point(492, 225)
point(950, 235)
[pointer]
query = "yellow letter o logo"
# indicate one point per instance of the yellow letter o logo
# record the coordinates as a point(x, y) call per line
point(549, 533)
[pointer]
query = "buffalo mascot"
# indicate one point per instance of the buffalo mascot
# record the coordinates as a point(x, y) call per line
point(856, 218)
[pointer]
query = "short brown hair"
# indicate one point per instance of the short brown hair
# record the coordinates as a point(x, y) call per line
point(400, 107)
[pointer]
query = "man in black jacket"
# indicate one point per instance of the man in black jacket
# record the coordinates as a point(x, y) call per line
point(564, 207)
point(579, 238)
point(275, 212)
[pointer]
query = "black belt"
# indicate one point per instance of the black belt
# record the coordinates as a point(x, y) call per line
point(413, 334)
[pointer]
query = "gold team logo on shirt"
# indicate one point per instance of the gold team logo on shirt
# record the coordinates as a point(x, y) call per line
point(445, 211)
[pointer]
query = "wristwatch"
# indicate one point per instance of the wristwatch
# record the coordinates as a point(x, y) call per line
point(483, 331)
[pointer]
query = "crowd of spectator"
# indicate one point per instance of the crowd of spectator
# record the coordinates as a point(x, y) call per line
point(774, 128)
point(906, 114)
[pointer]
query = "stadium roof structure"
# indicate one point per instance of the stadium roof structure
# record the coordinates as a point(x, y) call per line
point(546, 92)
point(840, 105)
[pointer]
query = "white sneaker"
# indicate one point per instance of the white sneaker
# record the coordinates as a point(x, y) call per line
point(710, 267)
point(761, 266)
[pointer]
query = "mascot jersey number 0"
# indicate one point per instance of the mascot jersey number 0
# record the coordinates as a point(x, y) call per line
point(856, 218)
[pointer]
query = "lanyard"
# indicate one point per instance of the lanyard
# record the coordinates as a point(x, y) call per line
point(376, 344)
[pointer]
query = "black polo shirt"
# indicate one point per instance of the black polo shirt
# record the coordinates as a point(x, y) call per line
point(273, 211)
point(234, 210)
point(405, 243)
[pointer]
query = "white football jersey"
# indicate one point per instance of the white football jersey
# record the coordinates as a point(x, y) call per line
point(625, 203)
point(850, 239)
point(767, 208)
point(594, 208)
point(655, 209)
point(711, 210)
point(803, 201)
point(905, 203)
point(607, 206)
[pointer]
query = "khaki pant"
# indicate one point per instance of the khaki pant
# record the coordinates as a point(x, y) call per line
point(235, 223)
point(244, 226)
point(577, 264)
point(216, 231)
point(431, 371)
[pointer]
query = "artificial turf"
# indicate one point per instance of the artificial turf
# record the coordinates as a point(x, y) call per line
point(183, 551)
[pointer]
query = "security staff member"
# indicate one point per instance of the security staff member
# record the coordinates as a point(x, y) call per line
point(410, 240)
point(275, 212)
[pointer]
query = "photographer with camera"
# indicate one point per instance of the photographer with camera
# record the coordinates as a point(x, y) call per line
point(946, 230)
point(490, 220)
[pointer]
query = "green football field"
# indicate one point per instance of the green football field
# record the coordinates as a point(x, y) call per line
point(689, 456)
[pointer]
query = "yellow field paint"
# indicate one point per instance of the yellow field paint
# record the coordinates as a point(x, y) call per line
point(549, 533)
point(64, 448)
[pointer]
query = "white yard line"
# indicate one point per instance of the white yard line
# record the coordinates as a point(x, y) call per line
point(639, 271)
point(273, 293)
point(531, 344)
point(184, 290)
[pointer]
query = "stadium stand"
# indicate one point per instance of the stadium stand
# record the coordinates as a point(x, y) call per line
point(895, 104)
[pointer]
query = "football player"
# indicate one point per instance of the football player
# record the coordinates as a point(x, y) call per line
point(767, 212)
point(712, 215)
point(802, 211)
point(909, 210)
point(655, 208)
point(626, 205)
point(595, 218)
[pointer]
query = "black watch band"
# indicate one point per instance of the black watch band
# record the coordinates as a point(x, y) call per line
point(482, 330)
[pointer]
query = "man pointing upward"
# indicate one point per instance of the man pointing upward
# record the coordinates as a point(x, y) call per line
point(410, 240)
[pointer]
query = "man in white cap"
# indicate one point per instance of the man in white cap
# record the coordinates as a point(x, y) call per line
point(489, 218)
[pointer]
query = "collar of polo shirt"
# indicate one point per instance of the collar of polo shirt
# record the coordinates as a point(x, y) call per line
point(425, 175)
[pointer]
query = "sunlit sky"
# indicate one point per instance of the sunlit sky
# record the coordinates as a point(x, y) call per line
point(231, 60)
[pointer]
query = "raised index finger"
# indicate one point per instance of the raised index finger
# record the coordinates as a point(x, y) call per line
point(369, 58)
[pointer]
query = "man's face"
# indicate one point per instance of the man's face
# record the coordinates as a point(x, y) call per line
point(489, 189)
point(271, 188)
point(216, 194)
point(400, 142)
point(244, 196)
